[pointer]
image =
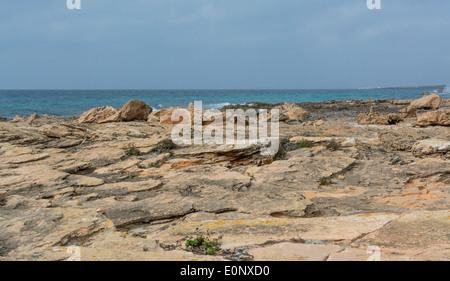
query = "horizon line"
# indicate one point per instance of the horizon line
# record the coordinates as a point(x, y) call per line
point(228, 89)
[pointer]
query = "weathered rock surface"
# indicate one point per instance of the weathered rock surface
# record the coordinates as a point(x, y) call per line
point(294, 112)
point(155, 162)
point(61, 131)
point(376, 118)
point(118, 193)
point(408, 112)
point(417, 236)
point(344, 142)
point(294, 252)
point(434, 118)
point(164, 116)
point(400, 140)
point(427, 102)
point(431, 146)
point(289, 112)
point(33, 118)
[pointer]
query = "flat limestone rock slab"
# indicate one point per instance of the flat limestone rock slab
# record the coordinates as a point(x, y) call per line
point(294, 252)
point(418, 230)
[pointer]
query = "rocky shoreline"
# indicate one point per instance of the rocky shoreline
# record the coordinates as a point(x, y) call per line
point(349, 175)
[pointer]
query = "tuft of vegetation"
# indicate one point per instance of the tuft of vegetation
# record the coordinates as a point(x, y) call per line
point(286, 146)
point(164, 146)
point(333, 146)
point(133, 151)
point(323, 181)
point(202, 245)
point(306, 144)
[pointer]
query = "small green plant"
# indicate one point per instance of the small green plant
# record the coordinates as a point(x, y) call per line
point(306, 144)
point(133, 151)
point(323, 181)
point(201, 244)
point(333, 146)
point(164, 146)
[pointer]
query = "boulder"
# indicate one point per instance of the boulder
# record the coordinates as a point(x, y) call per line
point(434, 118)
point(135, 110)
point(431, 101)
point(101, 115)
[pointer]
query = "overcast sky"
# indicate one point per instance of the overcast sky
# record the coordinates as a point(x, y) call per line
point(223, 44)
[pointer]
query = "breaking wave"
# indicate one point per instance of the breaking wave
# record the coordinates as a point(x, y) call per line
point(217, 105)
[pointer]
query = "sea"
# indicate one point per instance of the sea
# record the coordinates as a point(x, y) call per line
point(75, 102)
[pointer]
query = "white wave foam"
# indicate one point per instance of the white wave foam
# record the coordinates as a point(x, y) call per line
point(218, 105)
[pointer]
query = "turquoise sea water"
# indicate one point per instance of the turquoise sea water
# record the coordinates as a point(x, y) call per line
point(75, 102)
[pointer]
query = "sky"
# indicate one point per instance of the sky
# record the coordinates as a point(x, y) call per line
point(223, 44)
